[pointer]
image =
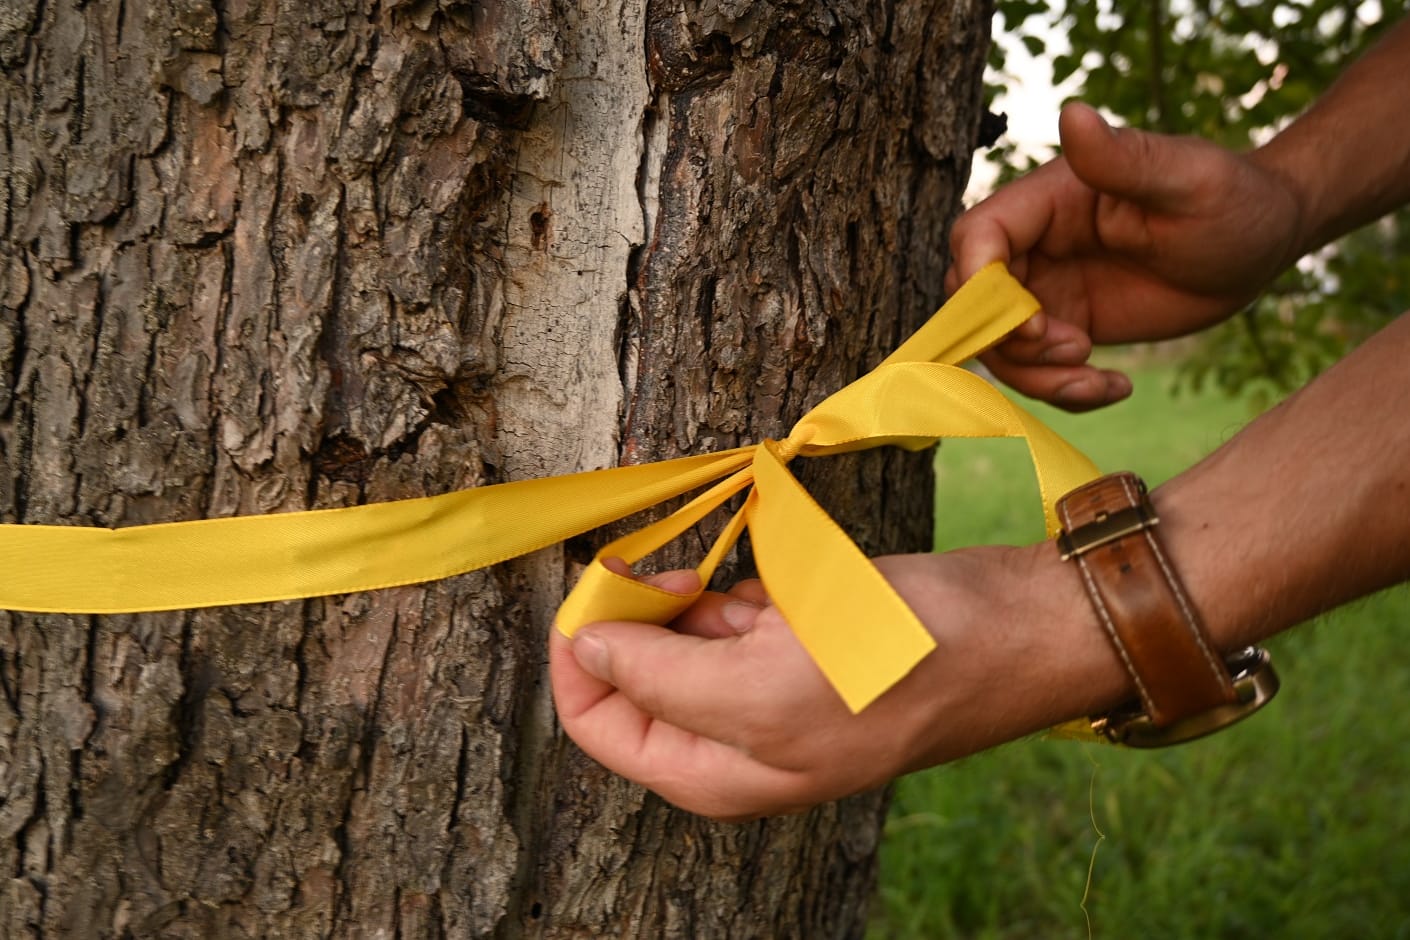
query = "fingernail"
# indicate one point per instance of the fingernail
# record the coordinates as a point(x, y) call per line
point(1119, 387)
point(591, 652)
point(740, 616)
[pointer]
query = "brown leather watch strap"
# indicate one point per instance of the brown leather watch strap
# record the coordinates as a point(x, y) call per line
point(1109, 530)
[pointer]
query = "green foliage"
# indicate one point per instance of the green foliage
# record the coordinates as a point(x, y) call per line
point(1310, 318)
point(1233, 71)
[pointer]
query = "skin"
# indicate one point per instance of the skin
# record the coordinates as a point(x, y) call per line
point(1129, 236)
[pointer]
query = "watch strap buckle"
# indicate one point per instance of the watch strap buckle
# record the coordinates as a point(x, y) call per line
point(1105, 529)
point(1255, 683)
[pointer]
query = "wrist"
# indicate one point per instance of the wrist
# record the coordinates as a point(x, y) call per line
point(1346, 158)
point(1084, 671)
point(1019, 650)
point(1280, 161)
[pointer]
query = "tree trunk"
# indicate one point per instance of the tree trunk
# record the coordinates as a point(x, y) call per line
point(267, 255)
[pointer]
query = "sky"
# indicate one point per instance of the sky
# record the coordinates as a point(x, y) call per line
point(1030, 101)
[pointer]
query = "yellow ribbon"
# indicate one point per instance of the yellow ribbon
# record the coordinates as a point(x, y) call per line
point(860, 633)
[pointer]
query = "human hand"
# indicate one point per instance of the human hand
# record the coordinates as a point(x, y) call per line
point(1127, 236)
point(725, 715)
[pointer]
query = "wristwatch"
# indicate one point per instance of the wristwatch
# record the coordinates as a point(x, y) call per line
point(1185, 688)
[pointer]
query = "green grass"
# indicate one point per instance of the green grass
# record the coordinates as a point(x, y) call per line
point(1294, 824)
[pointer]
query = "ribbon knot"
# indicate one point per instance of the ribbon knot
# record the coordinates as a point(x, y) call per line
point(861, 634)
point(792, 445)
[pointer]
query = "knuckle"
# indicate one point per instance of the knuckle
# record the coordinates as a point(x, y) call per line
point(647, 695)
point(757, 739)
point(635, 678)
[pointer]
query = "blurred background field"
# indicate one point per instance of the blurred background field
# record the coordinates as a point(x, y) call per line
point(1295, 824)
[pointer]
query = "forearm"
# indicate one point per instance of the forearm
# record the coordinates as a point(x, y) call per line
point(1348, 156)
point(1308, 507)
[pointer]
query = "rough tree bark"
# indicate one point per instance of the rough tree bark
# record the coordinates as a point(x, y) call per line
point(264, 255)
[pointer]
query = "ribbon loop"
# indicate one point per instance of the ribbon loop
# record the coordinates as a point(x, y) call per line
point(603, 594)
point(860, 633)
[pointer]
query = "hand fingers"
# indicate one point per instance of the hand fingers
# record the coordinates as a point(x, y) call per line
point(1033, 328)
point(1154, 170)
point(677, 580)
point(575, 690)
point(696, 683)
point(718, 616)
point(1060, 344)
point(975, 242)
point(713, 614)
point(724, 615)
point(1007, 225)
point(1052, 368)
point(741, 690)
point(1072, 388)
point(751, 590)
point(684, 580)
point(698, 773)
point(694, 772)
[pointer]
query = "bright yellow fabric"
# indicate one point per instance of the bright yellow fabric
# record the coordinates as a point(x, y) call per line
point(863, 637)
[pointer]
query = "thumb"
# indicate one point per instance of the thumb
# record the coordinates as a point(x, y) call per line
point(694, 683)
point(1153, 170)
